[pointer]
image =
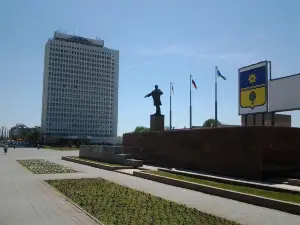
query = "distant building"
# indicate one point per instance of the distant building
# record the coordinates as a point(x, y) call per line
point(80, 90)
point(280, 120)
point(18, 131)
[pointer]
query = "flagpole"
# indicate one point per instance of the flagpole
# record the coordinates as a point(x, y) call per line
point(190, 101)
point(216, 98)
point(170, 106)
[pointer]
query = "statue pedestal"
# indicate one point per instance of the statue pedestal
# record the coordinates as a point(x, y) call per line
point(157, 123)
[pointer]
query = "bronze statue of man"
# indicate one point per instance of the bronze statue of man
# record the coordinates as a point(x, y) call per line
point(156, 93)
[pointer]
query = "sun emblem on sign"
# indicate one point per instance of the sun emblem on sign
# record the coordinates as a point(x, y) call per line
point(252, 79)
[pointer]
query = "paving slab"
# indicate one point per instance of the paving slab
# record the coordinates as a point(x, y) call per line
point(24, 199)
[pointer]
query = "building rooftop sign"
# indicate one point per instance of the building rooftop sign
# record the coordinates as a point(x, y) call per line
point(78, 39)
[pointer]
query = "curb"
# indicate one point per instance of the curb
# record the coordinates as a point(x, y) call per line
point(294, 182)
point(230, 181)
point(96, 165)
point(250, 199)
point(129, 174)
point(57, 192)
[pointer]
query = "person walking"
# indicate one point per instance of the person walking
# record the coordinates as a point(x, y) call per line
point(5, 147)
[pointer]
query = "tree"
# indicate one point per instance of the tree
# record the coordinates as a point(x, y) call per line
point(139, 129)
point(210, 123)
point(33, 135)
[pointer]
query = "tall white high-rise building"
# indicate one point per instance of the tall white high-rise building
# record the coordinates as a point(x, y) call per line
point(80, 88)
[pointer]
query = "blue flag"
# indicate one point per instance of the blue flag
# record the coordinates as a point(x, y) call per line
point(220, 75)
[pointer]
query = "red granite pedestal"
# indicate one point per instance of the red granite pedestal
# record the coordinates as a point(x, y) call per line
point(157, 123)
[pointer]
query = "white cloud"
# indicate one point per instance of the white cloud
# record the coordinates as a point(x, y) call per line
point(194, 52)
point(172, 49)
point(234, 55)
point(138, 65)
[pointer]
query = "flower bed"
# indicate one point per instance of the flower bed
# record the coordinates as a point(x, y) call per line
point(60, 148)
point(41, 166)
point(114, 204)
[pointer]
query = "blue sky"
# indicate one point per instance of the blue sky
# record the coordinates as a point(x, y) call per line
point(159, 42)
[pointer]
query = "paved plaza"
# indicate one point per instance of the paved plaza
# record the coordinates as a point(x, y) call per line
point(26, 200)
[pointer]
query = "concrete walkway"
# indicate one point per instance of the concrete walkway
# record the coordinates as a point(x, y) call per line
point(24, 199)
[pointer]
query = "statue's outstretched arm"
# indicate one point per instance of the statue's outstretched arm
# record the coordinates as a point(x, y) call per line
point(148, 95)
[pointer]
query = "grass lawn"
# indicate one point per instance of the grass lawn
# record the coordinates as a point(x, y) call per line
point(295, 198)
point(41, 166)
point(114, 204)
point(97, 162)
point(61, 148)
